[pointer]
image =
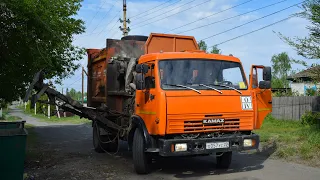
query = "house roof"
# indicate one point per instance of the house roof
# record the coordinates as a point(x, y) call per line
point(305, 74)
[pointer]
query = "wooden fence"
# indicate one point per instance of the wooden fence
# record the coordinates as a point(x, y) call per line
point(292, 108)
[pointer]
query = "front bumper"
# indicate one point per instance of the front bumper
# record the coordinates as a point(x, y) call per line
point(198, 146)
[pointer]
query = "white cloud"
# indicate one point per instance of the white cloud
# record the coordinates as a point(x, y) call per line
point(256, 48)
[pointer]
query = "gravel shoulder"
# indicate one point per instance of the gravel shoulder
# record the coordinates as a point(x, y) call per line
point(64, 151)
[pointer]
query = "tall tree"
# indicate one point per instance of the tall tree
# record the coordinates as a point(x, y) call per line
point(215, 50)
point(73, 94)
point(202, 45)
point(281, 69)
point(308, 47)
point(36, 35)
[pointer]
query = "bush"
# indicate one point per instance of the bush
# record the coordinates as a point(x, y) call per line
point(311, 92)
point(42, 108)
point(310, 118)
point(285, 93)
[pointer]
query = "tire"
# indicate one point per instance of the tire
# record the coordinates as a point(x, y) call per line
point(101, 147)
point(141, 159)
point(135, 37)
point(224, 160)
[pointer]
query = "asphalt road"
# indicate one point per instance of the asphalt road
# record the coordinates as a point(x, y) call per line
point(72, 157)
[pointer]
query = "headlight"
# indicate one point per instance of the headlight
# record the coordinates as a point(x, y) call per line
point(248, 142)
point(180, 147)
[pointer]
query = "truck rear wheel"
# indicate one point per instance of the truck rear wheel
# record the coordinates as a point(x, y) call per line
point(103, 143)
point(224, 160)
point(141, 159)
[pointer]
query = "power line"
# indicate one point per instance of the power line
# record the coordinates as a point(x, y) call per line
point(110, 23)
point(155, 7)
point(110, 31)
point(97, 12)
point(171, 14)
point(253, 31)
point(104, 16)
point(163, 12)
point(102, 29)
point(232, 17)
point(211, 15)
point(251, 21)
point(73, 82)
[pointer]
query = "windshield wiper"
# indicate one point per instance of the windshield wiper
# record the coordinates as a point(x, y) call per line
point(179, 85)
point(210, 88)
point(228, 87)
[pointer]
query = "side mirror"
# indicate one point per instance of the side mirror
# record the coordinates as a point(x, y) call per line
point(142, 68)
point(267, 73)
point(265, 84)
point(140, 82)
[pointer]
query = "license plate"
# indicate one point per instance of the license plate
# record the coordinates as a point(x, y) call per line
point(217, 145)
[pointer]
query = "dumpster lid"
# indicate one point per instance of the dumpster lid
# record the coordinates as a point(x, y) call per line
point(13, 132)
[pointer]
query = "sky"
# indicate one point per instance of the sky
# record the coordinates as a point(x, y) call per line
point(146, 16)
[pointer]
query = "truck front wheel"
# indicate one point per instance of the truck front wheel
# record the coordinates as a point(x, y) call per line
point(224, 160)
point(141, 159)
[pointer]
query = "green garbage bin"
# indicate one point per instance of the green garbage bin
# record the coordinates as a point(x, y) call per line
point(12, 151)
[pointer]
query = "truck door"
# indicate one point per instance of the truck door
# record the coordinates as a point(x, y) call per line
point(147, 100)
point(261, 97)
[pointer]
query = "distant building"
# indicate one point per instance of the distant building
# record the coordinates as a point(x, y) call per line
point(303, 80)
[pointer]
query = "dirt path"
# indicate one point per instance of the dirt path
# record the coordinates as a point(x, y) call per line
point(65, 152)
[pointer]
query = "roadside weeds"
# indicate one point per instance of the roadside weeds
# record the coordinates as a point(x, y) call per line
point(294, 142)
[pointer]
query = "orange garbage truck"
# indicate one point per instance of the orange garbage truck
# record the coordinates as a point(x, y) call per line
point(165, 97)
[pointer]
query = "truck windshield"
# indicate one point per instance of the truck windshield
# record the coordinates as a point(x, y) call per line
point(202, 74)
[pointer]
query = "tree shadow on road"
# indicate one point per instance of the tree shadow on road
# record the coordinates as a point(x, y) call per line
point(78, 139)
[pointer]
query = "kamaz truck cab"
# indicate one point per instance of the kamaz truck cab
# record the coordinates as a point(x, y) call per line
point(189, 102)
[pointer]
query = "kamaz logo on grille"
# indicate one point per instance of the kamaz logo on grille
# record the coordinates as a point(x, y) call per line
point(212, 121)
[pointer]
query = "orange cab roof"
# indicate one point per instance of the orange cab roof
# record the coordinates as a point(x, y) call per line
point(185, 55)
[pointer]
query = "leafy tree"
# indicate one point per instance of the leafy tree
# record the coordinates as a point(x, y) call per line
point(215, 50)
point(76, 95)
point(36, 35)
point(73, 93)
point(308, 47)
point(202, 45)
point(281, 67)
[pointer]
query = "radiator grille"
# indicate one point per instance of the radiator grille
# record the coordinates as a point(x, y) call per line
point(197, 125)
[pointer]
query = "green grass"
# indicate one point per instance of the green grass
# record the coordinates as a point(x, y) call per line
point(294, 141)
point(6, 117)
point(12, 118)
point(5, 113)
point(54, 119)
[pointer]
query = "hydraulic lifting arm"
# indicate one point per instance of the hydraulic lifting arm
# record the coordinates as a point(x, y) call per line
point(102, 115)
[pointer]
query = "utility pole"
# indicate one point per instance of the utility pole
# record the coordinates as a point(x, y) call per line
point(125, 30)
point(83, 72)
point(82, 83)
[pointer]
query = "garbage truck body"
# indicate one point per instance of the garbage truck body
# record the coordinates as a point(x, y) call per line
point(166, 97)
point(176, 99)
